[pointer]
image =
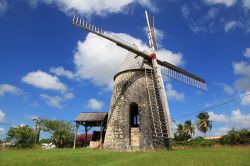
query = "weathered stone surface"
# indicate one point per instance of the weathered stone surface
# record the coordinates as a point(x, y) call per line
point(129, 87)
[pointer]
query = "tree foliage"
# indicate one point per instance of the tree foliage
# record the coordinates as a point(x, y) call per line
point(189, 127)
point(62, 132)
point(234, 137)
point(203, 124)
point(181, 134)
point(22, 136)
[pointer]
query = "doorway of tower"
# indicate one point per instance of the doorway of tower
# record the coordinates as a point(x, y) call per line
point(134, 124)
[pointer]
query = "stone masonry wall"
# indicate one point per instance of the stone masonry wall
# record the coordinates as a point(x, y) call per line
point(129, 87)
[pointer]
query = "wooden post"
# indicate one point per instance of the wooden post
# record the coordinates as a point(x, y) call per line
point(101, 136)
point(77, 125)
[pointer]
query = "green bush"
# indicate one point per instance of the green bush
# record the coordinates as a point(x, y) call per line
point(196, 142)
point(22, 136)
point(234, 137)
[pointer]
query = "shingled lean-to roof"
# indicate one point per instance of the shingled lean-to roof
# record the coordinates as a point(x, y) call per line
point(91, 116)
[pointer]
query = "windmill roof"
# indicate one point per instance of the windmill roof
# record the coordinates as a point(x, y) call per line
point(132, 61)
point(91, 116)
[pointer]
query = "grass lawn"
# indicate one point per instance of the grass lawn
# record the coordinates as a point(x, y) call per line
point(192, 156)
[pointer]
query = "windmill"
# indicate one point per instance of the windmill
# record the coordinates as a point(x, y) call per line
point(139, 116)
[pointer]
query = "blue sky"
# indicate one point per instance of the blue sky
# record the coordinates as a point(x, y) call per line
point(52, 69)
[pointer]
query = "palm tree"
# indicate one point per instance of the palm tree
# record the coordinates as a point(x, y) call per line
point(189, 128)
point(203, 123)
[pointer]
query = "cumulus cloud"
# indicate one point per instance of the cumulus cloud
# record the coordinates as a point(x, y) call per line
point(9, 89)
point(31, 117)
point(95, 104)
point(220, 131)
point(54, 101)
point(247, 50)
point(243, 69)
point(3, 7)
point(2, 116)
point(217, 117)
point(103, 61)
point(173, 94)
point(226, 88)
point(240, 120)
point(60, 71)
point(35, 104)
point(96, 7)
point(246, 100)
point(231, 25)
point(2, 130)
point(227, 3)
point(44, 80)
point(246, 4)
point(235, 120)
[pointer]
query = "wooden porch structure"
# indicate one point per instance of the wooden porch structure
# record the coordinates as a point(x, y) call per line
point(89, 120)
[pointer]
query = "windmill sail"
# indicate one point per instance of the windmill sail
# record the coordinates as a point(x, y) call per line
point(79, 22)
point(170, 70)
point(151, 32)
point(182, 75)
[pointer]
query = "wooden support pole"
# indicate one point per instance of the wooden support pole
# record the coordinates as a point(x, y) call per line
point(101, 136)
point(77, 125)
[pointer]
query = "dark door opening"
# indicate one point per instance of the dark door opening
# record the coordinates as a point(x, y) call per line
point(134, 115)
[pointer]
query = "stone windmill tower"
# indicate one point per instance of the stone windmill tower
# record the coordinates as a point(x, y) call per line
point(139, 116)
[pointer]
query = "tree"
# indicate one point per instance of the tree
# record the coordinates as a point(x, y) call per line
point(180, 134)
point(23, 136)
point(37, 129)
point(189, 128)
point(203, 124)
point(62, 132)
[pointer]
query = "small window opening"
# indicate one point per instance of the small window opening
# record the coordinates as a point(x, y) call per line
point(134, 115)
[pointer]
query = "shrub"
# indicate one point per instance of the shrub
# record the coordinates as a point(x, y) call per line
point(196, 142)
point(22, 136)
point(234, 137)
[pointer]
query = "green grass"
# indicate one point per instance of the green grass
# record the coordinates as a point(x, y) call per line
point(191, 156)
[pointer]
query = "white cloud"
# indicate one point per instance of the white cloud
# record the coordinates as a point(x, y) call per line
point(7, 88)
point(69, 95)
point(240, 120)
point(247, 50)
point(35, 104)
point(227, 3)
point(96, 7)
point(44, 80)
point(246, 100)
point(95, 104)
point(101, 63)
point(231, 25)
point(3, 7)
point(173, 94)
point(60, 71)
point(22, 125)
point(220, 131)
point(2, 116)
point(241, 68)
point(54, 101)
point(228, 89)
point(220, 118)
point(31, 117)
point(246, 4)
point(2, 130)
